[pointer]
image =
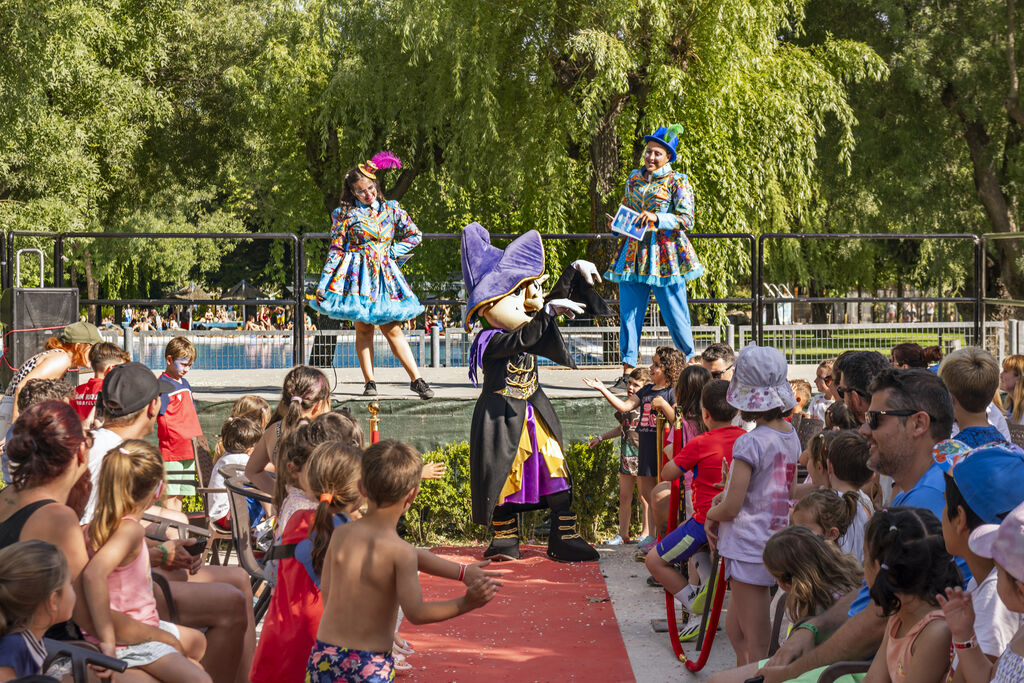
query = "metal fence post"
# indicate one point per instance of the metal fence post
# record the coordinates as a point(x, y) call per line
point(58, 261)
point(435, 347)
point(979, 292)
point(127, 329)
point(299, 290)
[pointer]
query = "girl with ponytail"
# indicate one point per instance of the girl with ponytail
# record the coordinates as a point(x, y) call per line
point(305, 394)
point(906, 565)
point(289, 629)
point(362, 280)
point(35, 594)
point(117, 577)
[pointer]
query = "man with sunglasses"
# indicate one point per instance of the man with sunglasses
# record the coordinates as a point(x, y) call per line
point(909, 412)
point(719, 359)
point(856, 371)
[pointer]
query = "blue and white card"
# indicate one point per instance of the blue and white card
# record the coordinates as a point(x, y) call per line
point(627, 223)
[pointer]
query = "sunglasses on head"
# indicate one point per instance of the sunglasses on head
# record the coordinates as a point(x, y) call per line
point(843, 391)
point(873, 415)
point(717, 374)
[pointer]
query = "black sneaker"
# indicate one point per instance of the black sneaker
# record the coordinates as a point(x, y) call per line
point(370, 389)
point(621, 384)
point(422, 388)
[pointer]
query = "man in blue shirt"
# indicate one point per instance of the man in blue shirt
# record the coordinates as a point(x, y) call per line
point(910, 411)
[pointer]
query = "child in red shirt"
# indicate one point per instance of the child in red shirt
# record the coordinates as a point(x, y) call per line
point(178, 423)
point(704, 455)
point(102, 357)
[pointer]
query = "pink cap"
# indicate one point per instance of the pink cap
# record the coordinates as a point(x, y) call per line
point(1003, 542)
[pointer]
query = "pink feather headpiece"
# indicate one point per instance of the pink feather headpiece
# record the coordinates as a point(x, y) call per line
point(380, 161)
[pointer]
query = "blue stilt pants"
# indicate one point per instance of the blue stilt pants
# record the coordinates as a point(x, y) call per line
point(633, 300)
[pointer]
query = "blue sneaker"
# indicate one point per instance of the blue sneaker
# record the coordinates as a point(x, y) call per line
point(616, 541)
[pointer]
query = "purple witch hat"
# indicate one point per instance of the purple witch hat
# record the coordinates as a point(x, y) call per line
point(491, 273)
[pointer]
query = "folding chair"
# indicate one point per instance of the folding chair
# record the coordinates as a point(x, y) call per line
point(81, 655)
point(159, 533)
point(241, 536)
point(838, 669)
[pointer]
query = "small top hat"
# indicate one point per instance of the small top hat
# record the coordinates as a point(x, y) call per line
point(667, 137)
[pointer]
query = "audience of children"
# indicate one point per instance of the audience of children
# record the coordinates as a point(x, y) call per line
point(755, 503)
point(666, 365)
point(629, 445)
point(705, 455)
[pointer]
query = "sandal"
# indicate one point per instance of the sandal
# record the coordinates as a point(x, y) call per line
point(400, 663)
point(403, 647)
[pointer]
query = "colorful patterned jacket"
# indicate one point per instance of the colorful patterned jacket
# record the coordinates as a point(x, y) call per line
point(664, 256)
point(384, 231)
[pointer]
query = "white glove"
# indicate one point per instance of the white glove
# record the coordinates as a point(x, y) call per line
point(565, 307)
point(588, 270)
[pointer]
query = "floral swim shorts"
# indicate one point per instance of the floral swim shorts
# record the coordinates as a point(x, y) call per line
point(331, 663)
point(629, 461)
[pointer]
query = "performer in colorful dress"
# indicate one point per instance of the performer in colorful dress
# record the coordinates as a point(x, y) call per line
point(362, 281)
point(516, 461)
point(663, 260)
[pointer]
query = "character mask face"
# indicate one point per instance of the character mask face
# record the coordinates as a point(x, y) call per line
point(513, 310)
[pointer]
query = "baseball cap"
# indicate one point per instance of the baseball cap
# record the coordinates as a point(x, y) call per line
point(128, 388)
point(1003, 542)
point(80, 333)
point(991, 480)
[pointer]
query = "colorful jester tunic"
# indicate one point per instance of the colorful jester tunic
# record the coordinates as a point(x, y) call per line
point(664, 256)
point(361, 279)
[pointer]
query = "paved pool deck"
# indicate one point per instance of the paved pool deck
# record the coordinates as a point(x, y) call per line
point(393, 383)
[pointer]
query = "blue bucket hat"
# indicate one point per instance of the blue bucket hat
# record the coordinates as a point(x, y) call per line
point(991, 480)
point(667, 137)
point(491, 273)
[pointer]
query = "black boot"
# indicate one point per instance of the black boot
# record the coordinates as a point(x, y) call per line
point(505, 543)
point(564, 544)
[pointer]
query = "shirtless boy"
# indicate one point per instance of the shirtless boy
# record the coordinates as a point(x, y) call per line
point(369, 571)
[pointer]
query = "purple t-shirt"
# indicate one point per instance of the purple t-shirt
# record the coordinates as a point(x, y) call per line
point(772, 455)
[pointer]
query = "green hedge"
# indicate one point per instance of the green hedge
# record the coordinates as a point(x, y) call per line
point(441, 512)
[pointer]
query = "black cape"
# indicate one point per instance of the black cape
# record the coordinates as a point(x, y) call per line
point(499, 415)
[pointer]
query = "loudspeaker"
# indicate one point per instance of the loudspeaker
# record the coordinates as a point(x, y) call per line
point(25, 308)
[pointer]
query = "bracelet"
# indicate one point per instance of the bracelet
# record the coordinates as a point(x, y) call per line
point(462, 572)
point(810, 627)
point(967, 645)
point(163, 560)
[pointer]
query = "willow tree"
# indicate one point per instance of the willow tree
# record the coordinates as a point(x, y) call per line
point(530, 113)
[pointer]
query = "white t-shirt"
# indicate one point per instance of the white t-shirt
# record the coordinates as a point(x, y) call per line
point(818, 405)
point(852, 541)
point(994, 625)
point(102, 441)
point(219, 504)
point(772, 455)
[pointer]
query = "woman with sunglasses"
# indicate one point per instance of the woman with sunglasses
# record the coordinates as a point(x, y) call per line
point(362, 279)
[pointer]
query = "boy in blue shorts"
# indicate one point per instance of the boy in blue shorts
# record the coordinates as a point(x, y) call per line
point(177, 425)
point(705, 455)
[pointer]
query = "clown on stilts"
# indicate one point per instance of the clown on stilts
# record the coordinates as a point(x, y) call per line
point(515, 446)
point(663, 260)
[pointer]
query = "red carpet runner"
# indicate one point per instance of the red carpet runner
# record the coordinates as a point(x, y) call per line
point(549, 622)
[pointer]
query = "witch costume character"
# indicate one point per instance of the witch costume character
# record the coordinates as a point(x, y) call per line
point(516, 461)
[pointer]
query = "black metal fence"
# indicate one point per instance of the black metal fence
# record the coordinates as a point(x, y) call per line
point(297, 245)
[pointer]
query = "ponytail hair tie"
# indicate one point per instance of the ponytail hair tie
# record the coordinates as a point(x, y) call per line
point(885, 566)
point(296, 399)
point(123, 451)
point(892, 527)
point(327, 498)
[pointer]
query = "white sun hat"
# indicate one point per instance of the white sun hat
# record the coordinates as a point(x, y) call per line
point(759, 381)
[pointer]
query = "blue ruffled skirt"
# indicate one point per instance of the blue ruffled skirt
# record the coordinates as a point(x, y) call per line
point(369, 291)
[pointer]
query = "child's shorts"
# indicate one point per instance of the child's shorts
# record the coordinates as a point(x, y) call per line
point(683, 542)
point(753, 573)
point(179, 470)
point(628, 461)
point(330, 663)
